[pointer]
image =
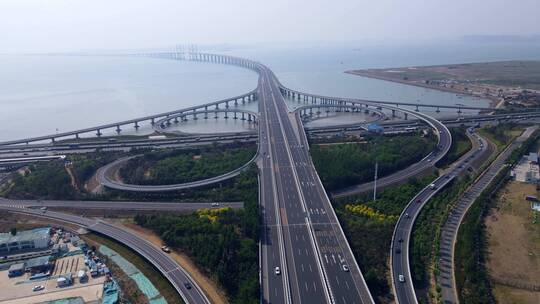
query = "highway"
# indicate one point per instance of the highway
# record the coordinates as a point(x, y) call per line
point(404, 290)
point(120, 144)
point(450, 228)
point(302, 234)
point(163, 262)
point(118, 205)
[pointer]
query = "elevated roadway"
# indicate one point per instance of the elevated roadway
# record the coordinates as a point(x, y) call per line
point(105, 177)
point(118, 205)
point(163, 262)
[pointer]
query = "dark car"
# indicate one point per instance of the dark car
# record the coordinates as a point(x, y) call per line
point(398, 251)
point(187, 285)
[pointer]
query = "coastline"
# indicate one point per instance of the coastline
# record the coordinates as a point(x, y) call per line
point(493, 102)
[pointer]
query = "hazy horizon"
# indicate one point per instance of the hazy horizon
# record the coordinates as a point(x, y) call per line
point(63, 25)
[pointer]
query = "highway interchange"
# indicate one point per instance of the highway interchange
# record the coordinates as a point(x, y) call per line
point(305, 256)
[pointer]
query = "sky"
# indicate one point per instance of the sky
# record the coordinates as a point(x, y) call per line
point(69, 25)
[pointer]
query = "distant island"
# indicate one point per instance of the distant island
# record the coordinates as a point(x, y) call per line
point(505, 83)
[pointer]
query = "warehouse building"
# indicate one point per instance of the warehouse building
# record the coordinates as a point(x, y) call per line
point(24, 241)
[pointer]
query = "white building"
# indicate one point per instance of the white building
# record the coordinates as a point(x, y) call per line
point(27, 240)
point(527, 171)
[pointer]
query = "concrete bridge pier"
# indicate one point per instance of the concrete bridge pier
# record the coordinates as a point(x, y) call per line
point(235, 115)
point(406, 115)
point(243, 116)
point(393, 113)
point(226, 104)
point(77, 136)
point(194, 115)
point(98, 133)
point(152, 121)
point(459, 111)
point(118, 130)
point(136, 125)
point(217, 106)
point(226, 115)
point(235, 102)
point(243, 100)
point(417, 110)
point(438, 110)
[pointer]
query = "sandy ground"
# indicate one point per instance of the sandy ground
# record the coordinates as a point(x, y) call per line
point(210, 288)
point(89, 293)
point(514, 246)
point(19, 289)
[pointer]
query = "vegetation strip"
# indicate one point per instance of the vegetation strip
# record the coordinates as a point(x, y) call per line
point(471, 277)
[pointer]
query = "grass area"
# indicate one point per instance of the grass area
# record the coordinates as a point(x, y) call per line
point(502, 134)
point(231, 190)
point(349, 164)
point(51, 180)
point(461, 144)
point(182, 166)
point(160, 282)
point(426, 237)
point(369, 225)
point(43, 180)
point(514, 244)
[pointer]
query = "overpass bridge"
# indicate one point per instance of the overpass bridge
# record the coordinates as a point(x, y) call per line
point(308, 98)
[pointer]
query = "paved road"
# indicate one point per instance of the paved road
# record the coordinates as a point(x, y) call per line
point(450, 228)
point(301, 233)
point(105, 174)
point(404, 290)
point(163, 262)
point(116, 205)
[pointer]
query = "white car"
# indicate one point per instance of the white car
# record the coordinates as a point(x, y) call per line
point(38, 288)
point(277, 271)
point(401, 278)
point(345, 268)
point(215, 204)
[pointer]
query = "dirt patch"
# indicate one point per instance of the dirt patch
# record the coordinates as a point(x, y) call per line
point(93, 186)
point(210, 288)
point(25, 222)
point(514, 245)
point(510, 295)
point(69, 170)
